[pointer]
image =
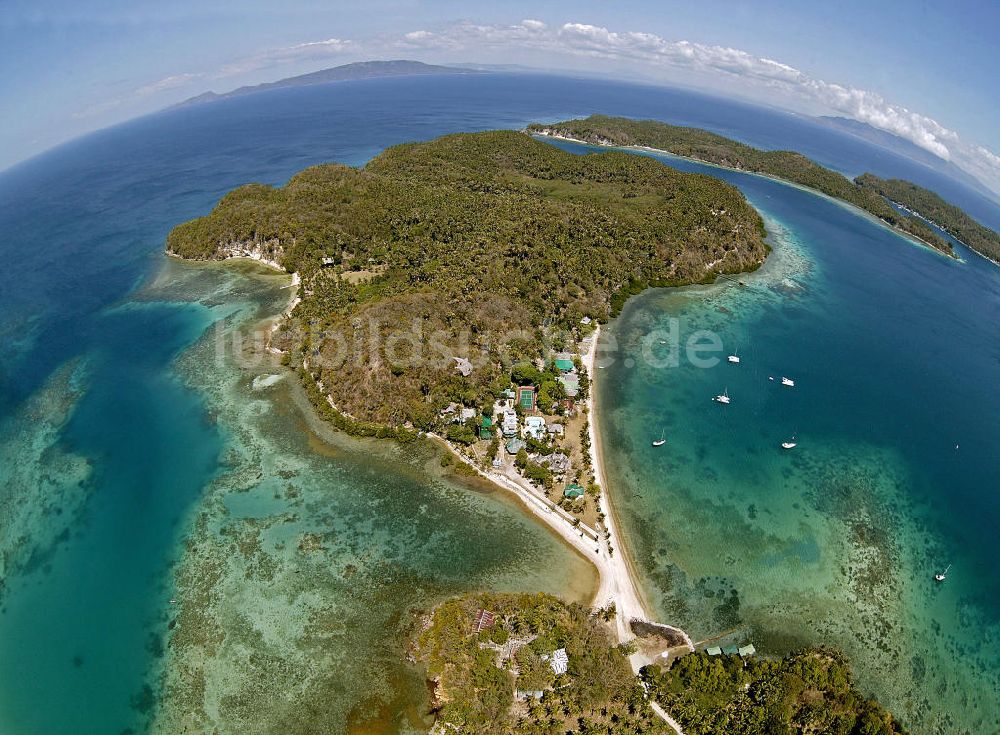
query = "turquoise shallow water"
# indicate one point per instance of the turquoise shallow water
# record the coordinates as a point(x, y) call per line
point(893, 350)
point(136, 468)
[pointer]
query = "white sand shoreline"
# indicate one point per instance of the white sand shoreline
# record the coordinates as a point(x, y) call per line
point(617, 579)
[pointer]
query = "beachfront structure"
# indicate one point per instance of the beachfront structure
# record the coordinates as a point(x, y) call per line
point(559, 661)
point(571, 384)
point(534, 426)
point(713, 651)
point(565, 365)
point(526, 397)
point(747, 650)
point(573, 491)
point(555, 429)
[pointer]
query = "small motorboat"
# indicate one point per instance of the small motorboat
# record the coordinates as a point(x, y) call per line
point(942, 576)
point(660, 442)
point(724, 398)
point(788, 381)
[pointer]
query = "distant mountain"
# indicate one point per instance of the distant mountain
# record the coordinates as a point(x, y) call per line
point(357, 70)
point(904, 147)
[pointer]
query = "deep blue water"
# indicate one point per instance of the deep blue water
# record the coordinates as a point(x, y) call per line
point(92, 412)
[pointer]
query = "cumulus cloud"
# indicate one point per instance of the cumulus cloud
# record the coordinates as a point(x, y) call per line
point(646, 53)
point(654, 52)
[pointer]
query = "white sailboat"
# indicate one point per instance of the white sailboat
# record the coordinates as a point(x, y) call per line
point(942, 576)
point(724, 398)
point(734, 358)
point(790, 444)
point(788, 381)
point(661, 441)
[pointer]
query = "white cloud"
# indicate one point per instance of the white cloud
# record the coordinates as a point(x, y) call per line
point(644, 53)
point(655, 53)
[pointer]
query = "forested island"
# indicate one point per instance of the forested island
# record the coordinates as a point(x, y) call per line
point(716, 149)
point(533, 664)
point(930, 206)
point(478, 248)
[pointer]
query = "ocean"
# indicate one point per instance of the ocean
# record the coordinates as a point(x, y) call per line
point(151, 491)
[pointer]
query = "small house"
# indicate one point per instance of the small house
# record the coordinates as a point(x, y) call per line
point(559, 661)
point(465, 414)
point(555, 429)
point(573, 491)
point(713, 651)
point(747, 650)
point(515, 445)
point(534, 426)
point(571, 384)
point(463, 365)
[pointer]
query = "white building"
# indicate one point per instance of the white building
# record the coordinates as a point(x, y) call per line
point(559, 661)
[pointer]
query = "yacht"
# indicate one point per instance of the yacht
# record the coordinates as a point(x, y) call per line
point(724, 398)
point(659, 442)
point(790, 444)
point(788, 381)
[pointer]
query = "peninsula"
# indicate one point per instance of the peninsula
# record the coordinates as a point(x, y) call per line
point(453, 289)
point(788, 166)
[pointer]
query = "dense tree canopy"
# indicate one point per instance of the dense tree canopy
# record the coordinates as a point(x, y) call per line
point(947, 216)
point(474, 246)
point(712, 148)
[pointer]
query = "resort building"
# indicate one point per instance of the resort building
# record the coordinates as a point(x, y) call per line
point(573, 491)
point(559, 661)
point(534, 426)
point(564, 363)
point(515, 445)
point(555, 429)
point(509, 423)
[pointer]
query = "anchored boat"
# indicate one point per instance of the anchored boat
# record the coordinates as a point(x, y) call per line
point(724, 398)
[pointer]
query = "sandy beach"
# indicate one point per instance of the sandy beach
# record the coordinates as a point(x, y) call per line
point(617, 579)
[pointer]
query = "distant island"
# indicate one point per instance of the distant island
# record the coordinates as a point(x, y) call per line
point(789, 166)
point(357, 70)
point(925, 203)
point(906, 148)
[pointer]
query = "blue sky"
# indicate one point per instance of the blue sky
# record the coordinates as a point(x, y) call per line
point(923, 70)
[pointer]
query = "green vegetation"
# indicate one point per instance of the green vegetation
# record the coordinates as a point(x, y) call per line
point(712, 148)
point(478, 246)
point(807, 692)
point(929, 205)
point(477, 677)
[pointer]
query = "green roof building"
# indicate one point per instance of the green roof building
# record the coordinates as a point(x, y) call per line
point(486, 428)
point(564, 366)
point(731, 650)
point(573, 491)
point(713, 651)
